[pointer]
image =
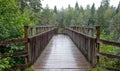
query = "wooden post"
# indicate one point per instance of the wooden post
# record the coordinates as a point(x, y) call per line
point(26, 44)
point(97, 39)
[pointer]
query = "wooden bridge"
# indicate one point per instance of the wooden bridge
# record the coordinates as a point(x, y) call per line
point(77, 49)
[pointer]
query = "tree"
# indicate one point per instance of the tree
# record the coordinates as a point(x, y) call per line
point(86, 15)
point(55, 10)
point(68, 16)
point(45, 16)
point(76, 14)
point(105, 4)
point(61, 18)
point(77, 6)
point(118, 8)
point(91, 20)
point(34, 5)
point(116, 24)
point(12, 23)
point(100, 16)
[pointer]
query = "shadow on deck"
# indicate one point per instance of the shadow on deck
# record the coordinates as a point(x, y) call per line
point(61, 54)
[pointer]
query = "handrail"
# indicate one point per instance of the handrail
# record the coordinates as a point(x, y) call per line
point(80, 33)
point(34, 45)
point(16, 54)
point(86, 27)
point(2, 43)
point(113, 43)
point(38, 43)
point(108, 55)
point(86, 30)
point(42, 32)
point(33, 30)
point(84, 42)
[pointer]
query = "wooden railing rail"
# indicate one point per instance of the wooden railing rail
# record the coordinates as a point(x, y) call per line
point(38, 43)
point(89, 45)
point(34, 45)
point(112, 56)
point(33, 30)
point(37, 37)
point(15, 41)
point(112, 43)
point(86, 44)
point(83, 29)
point(16, 54)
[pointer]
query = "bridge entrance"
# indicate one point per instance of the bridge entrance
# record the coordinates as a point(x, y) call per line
point(75, 50)
point(61, 54)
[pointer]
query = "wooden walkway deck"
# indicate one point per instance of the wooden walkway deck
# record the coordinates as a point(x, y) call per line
point(61, 55)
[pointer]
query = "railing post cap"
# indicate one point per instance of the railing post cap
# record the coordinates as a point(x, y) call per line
point(26, 26)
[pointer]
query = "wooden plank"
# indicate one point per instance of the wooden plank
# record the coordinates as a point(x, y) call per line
point(17, 54)
point(112, 69)
point(108, 55)
point(80, 33)
point(62, 70)
point(113, 43)
point(86, 27)
point(61, 54)
point(3, 43)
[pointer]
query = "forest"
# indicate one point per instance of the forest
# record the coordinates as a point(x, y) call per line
point(15, 14)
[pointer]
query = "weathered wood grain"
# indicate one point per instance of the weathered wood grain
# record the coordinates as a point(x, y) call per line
point(61, 55)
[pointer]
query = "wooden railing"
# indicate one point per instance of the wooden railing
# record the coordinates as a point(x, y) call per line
point(38, 42)
point(86, 30)
point(34, 43)
point(16, 41)
point(89, 45)
point(37, 37)
point(86, 44)
point(33, 30)
point(107, 55)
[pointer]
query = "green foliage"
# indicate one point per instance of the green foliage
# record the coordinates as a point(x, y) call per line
point(5, 63)
point(27, 69)
point(109, 50)
point(107, 62)
point(14, 14)
point(9, 15)
point(98, 69)
point(45, 16)
point(12, 21)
